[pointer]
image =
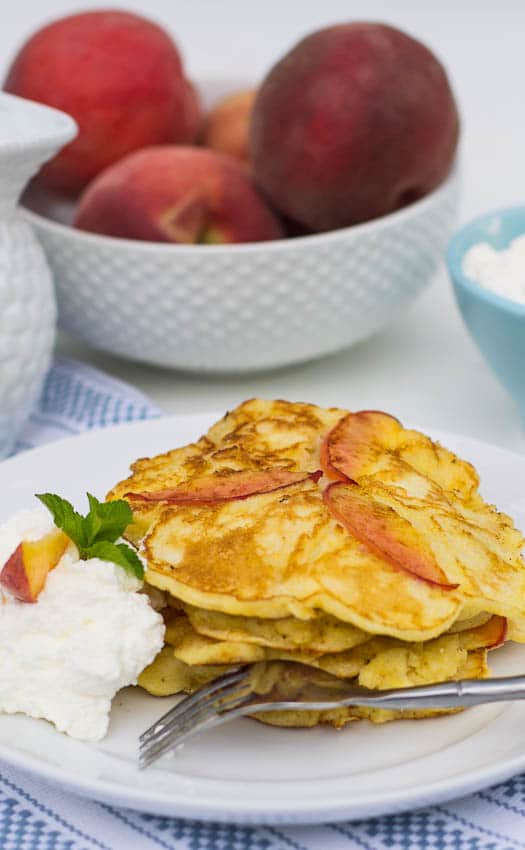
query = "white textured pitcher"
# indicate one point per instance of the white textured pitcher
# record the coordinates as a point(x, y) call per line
point(29, 135)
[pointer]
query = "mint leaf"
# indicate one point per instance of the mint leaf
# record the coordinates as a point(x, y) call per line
point(117, 553)
point(65, 517)
point(106, 520)
point(95, 535)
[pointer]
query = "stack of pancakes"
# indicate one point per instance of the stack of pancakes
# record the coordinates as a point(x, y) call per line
point(315, 541)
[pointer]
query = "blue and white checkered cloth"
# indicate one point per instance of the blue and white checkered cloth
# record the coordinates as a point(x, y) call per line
point(38, 816)
point(77, 398)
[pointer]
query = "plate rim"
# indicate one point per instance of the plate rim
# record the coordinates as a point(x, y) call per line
point(278, 813)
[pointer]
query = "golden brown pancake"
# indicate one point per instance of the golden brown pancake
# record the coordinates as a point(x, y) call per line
point(380, 571)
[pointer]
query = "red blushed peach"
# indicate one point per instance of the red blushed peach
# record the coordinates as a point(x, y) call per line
point(294, 229)
point(119, 75)
point(227, 125)
point(24, 573)
point(177, 194)
point(356, 121)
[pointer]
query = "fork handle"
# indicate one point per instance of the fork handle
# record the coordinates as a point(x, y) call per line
point(461, 694)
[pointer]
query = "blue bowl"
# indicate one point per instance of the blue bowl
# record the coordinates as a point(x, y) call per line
point(497, 324)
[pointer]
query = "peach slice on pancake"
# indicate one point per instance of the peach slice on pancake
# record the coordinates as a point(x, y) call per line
point(353, 444)
point(371, 443)
point(24, 573)
point(328, 469)
point(226, 486)
point(490, 635)
point(384, 532)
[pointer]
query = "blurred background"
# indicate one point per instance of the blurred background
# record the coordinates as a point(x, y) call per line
point(424, 366)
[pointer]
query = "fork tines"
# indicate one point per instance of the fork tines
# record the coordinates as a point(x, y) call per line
point(193, 713)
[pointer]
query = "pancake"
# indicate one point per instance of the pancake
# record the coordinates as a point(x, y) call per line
point(291, 681)
point(320, 634)
point(166, 675)
point(276, 555)
point(309, 541)
point(197, 650)
point(382, 664)
point(259, 434)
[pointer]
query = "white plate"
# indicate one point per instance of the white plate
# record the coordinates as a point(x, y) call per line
point(247, 772)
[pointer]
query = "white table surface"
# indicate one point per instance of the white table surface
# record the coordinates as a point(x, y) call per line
point(424, 368)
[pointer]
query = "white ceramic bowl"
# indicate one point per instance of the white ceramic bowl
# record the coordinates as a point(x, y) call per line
point(235, 308)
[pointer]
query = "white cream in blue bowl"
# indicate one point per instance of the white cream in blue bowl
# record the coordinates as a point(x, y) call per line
point(486, 261)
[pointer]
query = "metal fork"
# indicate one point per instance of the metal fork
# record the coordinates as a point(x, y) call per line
point(232, 696)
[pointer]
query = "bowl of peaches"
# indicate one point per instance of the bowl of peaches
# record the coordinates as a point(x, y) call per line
point(228, 227)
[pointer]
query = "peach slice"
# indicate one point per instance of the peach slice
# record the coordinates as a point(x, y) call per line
point(213, 489)
point(352, 444)
point(490, 635)
point(324, 459)
point(24, 573)
point(384, 533)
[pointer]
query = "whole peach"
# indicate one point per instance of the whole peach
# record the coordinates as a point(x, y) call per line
point(356, 121)
point(119, 75)
point(177, 193)
point(226, 128)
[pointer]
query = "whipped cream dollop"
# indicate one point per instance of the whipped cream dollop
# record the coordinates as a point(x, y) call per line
point(90, 633)
point(503, 272)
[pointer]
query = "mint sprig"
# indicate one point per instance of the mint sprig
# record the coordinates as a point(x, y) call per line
point(95, 534)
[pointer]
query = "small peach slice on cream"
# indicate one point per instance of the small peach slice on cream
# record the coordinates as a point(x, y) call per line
point(24, 573)
point(384, 532)
point(225, 487)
